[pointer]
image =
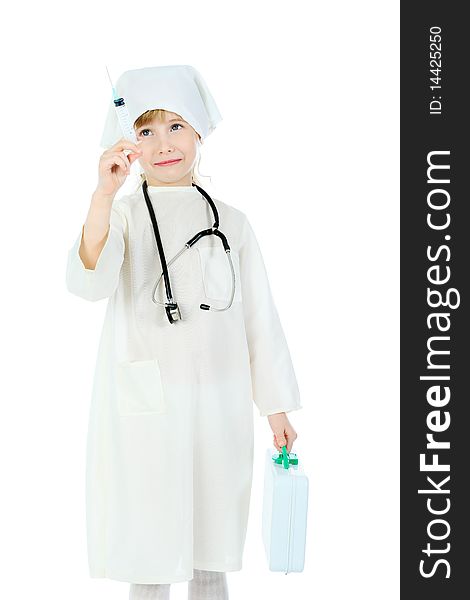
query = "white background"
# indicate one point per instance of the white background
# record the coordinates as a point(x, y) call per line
point(308, 149)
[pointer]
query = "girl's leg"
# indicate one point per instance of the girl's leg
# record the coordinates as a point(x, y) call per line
point(208, 585)
point(149, 591)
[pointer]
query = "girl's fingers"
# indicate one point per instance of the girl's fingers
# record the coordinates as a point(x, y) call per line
point(284, 437)
point(123, 144)
point(286, 440)
point(279, 441)
point(124, 156)
point(132, 157)
point(119, 161)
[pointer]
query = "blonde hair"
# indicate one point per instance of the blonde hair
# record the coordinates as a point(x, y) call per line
point(159, 113)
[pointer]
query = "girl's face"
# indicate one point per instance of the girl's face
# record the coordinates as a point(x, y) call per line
point(173, 139)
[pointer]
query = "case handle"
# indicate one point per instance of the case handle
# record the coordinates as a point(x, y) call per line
point(285, 458)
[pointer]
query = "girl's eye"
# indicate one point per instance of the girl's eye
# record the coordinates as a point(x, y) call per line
point(174, 125)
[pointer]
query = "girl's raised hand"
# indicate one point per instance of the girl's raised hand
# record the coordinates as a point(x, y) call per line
point(115, 165)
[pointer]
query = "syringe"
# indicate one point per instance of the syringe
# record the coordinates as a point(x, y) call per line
point(123, 115)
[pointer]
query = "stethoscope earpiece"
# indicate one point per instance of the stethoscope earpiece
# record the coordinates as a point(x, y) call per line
point(173, 312)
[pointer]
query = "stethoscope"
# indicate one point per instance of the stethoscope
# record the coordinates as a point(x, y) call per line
point(171, 307)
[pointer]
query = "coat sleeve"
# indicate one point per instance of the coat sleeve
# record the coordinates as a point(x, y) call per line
point(274, 383)
point(102, 281)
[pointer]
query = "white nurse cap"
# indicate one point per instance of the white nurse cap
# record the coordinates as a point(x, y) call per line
point(176, 88)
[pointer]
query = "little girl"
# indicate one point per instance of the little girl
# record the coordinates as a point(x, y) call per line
point(170, 436)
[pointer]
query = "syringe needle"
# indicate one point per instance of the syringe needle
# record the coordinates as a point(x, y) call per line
point(111, 82)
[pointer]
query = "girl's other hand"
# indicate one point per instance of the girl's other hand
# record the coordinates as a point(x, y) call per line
point(284, 433)
point(114, 166)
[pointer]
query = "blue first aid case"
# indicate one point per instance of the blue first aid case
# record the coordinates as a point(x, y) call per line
point(285, 504)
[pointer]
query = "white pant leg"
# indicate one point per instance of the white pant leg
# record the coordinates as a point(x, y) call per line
point(149, 591)
point(208, 585)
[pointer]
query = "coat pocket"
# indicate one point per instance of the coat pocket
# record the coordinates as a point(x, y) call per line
point(217, 275)
point(139, 388)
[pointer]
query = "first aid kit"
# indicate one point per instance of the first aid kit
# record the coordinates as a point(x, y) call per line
point(285, 504)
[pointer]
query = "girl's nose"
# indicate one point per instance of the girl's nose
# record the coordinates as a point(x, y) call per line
point(162, 144)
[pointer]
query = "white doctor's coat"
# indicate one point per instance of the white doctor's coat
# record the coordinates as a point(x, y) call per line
point(170, 438)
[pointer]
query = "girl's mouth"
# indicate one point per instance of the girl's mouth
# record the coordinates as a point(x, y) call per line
point(167, 162)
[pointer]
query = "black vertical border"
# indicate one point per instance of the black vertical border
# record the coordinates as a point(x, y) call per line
point(421, 133)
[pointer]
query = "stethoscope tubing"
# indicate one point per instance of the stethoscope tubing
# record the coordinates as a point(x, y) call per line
point(186, 247)
point(210, 231)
